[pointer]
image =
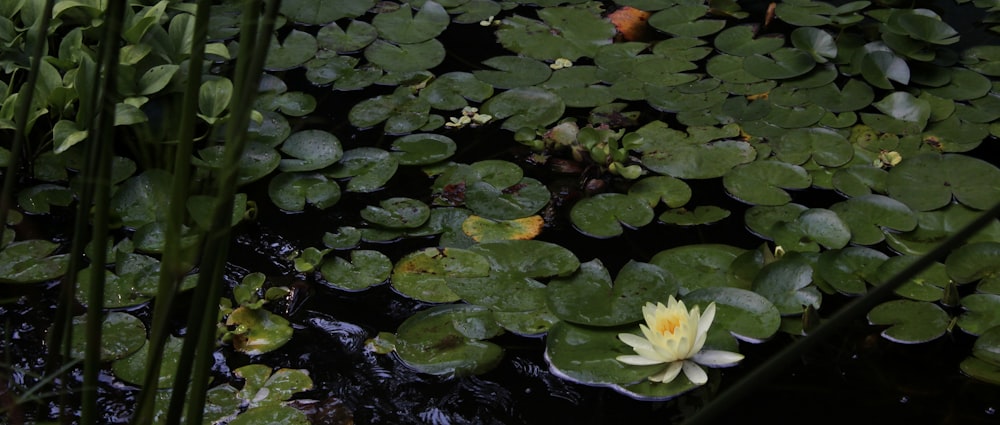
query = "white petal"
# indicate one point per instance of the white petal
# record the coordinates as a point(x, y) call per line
point(650, 353)
point(717, 358)
point(668, 374)
point(637, 360)
point(635, 341)
point(706, 319)
point(694, 373)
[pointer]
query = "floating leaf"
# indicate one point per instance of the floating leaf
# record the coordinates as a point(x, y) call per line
point(30, 261)
point(762, 182)
point(700, 266)
point(402, 26)
point(587, 355)
point(422, 149)
point(313, 149)
point(930, 181)
point(369, 168)
point(985, 363)
point(121, 335)
point(780, 64)
point(403, 213)
point(321, 13)
point(132, 369)
point(683, 20)
point(741, 41)
point(786, 283)
point(603, 215)
point(448, 340)
point(513, 72)
point(868, 215)
point(567, 32)
point(747, 315)
point(423, 274)
point(588, 297)
point(355, 37)
point(39, 199)
point(673, 192)
point(825, 146)
point(926, 286)
point(698, 161)
point(935, 226)
point(452, 90)
point(977, 261)
point(365, 269)
point(525, 107)
point(291, 191)
point(405, 57)
point(816, 42)
point(483, 229)
point(911, 322)
point(812, 228)
point(849, 270)
point(702, 214)
point(297, 48)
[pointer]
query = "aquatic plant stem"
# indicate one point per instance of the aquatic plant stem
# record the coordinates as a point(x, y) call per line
point(728, 399)
point(99, 155)
point(172, 267)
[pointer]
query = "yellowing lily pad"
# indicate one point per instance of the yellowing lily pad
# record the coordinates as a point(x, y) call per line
point(483, 229)
point(424, 274)
point(257, 331)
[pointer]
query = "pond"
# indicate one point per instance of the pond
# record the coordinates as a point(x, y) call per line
point(461, 212)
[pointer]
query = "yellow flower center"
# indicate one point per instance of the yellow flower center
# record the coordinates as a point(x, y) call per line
point(666, 325)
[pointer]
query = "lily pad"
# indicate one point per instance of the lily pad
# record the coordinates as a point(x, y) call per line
point(747, 315)
point(422, 149)
point(911, 322)
point(519, 200)
point(673, 192)
point(258, 331)
point(603, 215)
point(291, 191)
point(294, 50)
point(979, 261)
point(588, 297)
point(701, 266)
point(355, 37)
point(825, 146)
point(742, 41)
point(982, 312)
point(402, 26)
point(930, 181)
point(365, 269)
point(935, 226)
point(851, 269)
point(513, 72)
point(698, 161)
point(702, 214)
point(588, 355)
point(369, 169)
point(321, 13)
point(453, 90)
point(870, 216)
point(984, 364)
point(926, 286)
point(483, 229)
point(423, 275)
point(31, 261)
point(121, 335)
point(262, 388)
point(763, 182)
point(405, 57)
point(684, 20)
point(566, 32)
point(402, 213)
point(780, 64)
point(787, 284)
point(312, 150)
point(132, 369)
point(812, 228)
point(525, 107)
point(448, 340)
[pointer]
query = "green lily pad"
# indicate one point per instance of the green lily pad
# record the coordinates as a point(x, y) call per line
point(133, 282)
point(964, 85)
point(402, 111)
point(141, 199)
point(448, 340)
point(258, 160)
point(982, 312)
point(787, 284)
point(424, 274)
point(868, 215)
point(956, 135)
point(269, 132)
point(405, 57)
point(525, 107)
point(346, 237)
point(926, 286)
point(321, 13)
point(263, 388)
point(851, 269)
point(588, 297)
point(402, 26)
point(121, 335)
point(132, 369)
point(698, 161)
point(513, 72)
point(911, 322)
point(984, 364)
point(369, 169)
point(700, 266)
point(855, 95)
point(825, 146)
point(566, 32)
point(31, 261)
point(683, 20)
point(878, 67)
point(258, 331)
point(745, 314)
point(702, 214)
point(818, 43)
point(355, 37)
point(588, 355)
point(603, 215)
point(977, 261)
point(780, 64)
point(935, 226)
point(312, 150)
point(271, 414)
point(294, 50)
point(422, 149)
point(453, 90)
point(740, 41)
point(859, 180)
point(673, 192)
point(930, 181)
point(402, 213)
point(365, 269)
point(763, 182)
point(291, 191)
point(516, 201)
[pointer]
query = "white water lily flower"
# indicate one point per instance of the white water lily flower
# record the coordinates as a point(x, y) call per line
point(675, 337)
